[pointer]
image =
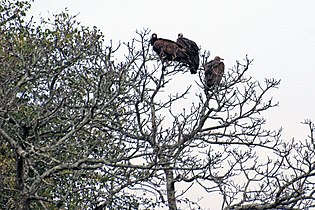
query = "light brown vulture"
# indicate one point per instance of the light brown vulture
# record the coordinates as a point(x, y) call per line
point(214, 72)
point(169, 50)
point(192, 50)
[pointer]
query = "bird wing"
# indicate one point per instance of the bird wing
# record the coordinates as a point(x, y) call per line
point(214, 72)
point(170, 50)
point(188, 44)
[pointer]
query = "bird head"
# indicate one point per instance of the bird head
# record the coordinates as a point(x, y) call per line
point(154, 35)
point(217, 58)
point(153, 38)
point(180, 35)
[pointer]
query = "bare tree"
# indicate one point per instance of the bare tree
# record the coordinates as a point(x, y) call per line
point(83, 128)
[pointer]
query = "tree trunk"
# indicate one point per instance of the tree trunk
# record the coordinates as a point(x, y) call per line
point(23, 202)
point(170, 188)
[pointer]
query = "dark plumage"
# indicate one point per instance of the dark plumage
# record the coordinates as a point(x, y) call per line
point(192, 50)
point(169, 50)
point(214, 72)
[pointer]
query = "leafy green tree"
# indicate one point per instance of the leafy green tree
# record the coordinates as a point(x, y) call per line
point(59, 89)
point(84, 128)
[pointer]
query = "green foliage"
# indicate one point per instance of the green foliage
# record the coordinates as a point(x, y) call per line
point(54, 75)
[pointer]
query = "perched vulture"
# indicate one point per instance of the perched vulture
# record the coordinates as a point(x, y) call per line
point(192, 50)
point(169, 50)
point(214, 72)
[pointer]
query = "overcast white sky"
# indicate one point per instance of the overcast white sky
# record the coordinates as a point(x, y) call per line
point(278, 34)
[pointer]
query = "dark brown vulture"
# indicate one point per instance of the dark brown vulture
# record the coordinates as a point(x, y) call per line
point(214, 72)
point(192, 50)
point(169, 50)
